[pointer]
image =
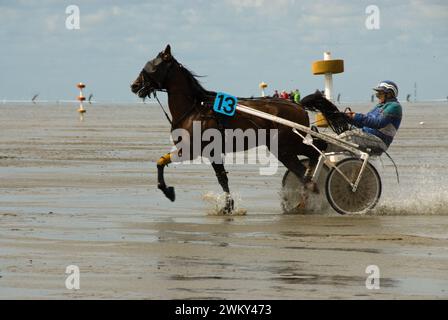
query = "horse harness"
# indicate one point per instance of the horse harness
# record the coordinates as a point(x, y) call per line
point(203, 107)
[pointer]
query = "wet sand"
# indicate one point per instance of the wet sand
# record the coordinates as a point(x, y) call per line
point(83, 193)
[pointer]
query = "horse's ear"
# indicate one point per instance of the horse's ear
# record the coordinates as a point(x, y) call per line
point(167, 52)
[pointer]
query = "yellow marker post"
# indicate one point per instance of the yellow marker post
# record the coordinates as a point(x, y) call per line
point(327, 67)
point(263, 85)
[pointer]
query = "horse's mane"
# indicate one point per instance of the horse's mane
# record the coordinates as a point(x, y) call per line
point(336, 119)
point(198, 89)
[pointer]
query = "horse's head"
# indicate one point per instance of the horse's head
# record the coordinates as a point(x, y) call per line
point(154, 74)
point(318, 103)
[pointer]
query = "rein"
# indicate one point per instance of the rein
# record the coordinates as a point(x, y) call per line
point(163, 109)
point(173, 124)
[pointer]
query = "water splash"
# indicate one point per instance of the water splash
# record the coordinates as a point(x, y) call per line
point(422, 191)
point(217, 202)
point(425, 201)
point(314, 203)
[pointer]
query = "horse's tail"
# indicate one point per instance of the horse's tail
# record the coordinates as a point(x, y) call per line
point(336, 119)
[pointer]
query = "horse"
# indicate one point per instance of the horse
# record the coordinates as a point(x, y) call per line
point(189, 101)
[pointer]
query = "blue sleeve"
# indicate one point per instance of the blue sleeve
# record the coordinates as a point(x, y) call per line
point(373, 119)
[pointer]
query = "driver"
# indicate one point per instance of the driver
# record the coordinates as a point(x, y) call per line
point(380, 125)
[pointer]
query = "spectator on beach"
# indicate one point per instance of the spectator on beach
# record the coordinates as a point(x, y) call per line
point(297, 96)
point(275, 95)
point(291, 96)
point(284, 95)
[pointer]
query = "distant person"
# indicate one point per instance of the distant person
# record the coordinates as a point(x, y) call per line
point(297, 96)
point(275, 95)
point(380, 125)
point(284, 95)
point(291, 96)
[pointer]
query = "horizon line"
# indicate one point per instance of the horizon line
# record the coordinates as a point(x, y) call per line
point(4, 101)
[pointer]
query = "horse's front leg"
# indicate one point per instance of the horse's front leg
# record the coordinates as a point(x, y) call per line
point(221, 174)
point(167, 191)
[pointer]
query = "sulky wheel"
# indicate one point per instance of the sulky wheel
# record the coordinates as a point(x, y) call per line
point(292, 192)
point(340, 194)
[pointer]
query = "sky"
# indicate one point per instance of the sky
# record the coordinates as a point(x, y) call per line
point(234, 44)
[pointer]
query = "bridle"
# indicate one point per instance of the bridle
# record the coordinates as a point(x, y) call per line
point(147, 81)
point(147, 85)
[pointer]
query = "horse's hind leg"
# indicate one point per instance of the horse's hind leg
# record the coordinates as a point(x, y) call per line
point(292, 162)
point(167, 191)
point(221, 174)
point(313, 156)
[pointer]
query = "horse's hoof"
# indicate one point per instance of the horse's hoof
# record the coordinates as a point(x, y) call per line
point(230, 205)
point(168, 192)
point(226, 211)
point(301, 205)
point(304, 202)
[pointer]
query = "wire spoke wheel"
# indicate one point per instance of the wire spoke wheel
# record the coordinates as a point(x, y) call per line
point(340, 194)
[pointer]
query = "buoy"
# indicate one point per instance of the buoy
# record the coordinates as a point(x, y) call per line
point(327, 67)
point(81, 97)
point(263, 85)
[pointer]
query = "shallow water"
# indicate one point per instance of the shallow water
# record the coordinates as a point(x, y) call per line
point(83, 192)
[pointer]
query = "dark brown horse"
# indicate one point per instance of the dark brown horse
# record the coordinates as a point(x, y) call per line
point(188, 101)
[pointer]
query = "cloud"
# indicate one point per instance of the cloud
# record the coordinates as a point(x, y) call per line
point(244, 4)
point(101, 16)
point(265, 7)
point(53, 23)
point(437, 10)
point(10, 14)
point(191, 16)
point(237, 43)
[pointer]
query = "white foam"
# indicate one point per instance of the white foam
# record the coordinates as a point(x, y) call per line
point(315, 203)
point(422, 192)
point(217, 202)
point(422, 202)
